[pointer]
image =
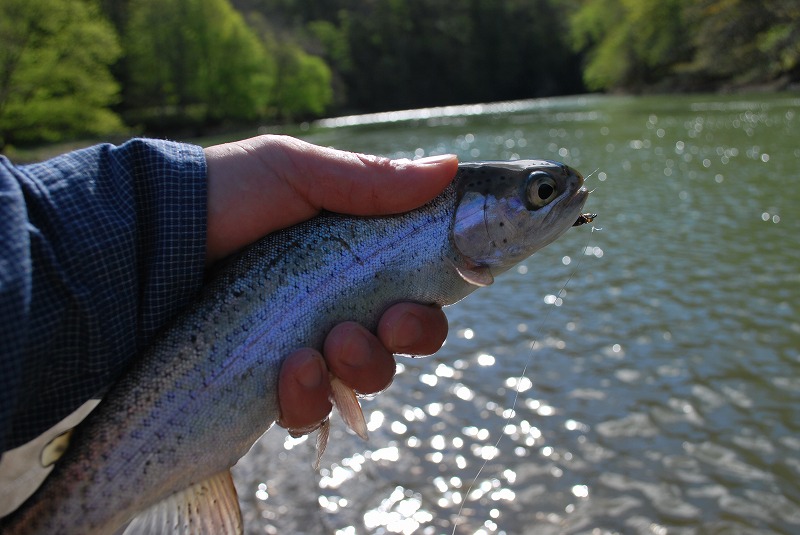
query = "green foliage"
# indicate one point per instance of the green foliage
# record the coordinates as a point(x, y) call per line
point(745, 41)
point(195, 59)
point(54, 77)
point(423, 52)
point(687, 44)
point(630, 43)
point(334, 42)
point(304, 83)
point(191, 64)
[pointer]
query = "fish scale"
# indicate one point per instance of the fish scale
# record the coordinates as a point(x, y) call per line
point(167, 433)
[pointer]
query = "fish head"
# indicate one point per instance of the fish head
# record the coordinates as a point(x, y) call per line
point(508, 210)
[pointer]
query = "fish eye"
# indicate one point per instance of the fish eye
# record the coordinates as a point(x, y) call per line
point(541, 189)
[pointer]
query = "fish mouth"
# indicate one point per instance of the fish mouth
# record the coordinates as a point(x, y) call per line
point(576, 201)
point(579, 198)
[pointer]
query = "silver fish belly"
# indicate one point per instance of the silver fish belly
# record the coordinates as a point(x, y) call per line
point(170, 429)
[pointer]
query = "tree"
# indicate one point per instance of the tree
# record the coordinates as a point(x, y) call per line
point(303, 83)
point(195, 59)
point(688, 44)
point(630, 43)
point(740, 42)
point(54, 71)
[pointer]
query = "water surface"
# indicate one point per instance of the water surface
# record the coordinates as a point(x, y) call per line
point(659, 392)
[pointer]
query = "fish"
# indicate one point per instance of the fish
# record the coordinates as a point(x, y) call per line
point(156, 453)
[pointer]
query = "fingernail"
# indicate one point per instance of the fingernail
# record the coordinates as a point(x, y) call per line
point(356, 351)
point(411, 331)
point(434, 160)
point(311, 373)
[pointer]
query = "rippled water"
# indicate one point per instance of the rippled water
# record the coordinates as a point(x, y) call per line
point(658, 393)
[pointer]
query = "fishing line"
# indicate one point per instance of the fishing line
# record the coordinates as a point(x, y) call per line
point(528, 364)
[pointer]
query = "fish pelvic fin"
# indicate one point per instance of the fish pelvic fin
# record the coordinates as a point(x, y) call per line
point(322, 441)
point(207, 508)
point(346, 402)
point(344, 399)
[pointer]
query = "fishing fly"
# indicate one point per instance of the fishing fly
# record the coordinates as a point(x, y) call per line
point(583, 219)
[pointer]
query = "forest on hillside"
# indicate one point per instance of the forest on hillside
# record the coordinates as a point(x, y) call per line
point(76, 68)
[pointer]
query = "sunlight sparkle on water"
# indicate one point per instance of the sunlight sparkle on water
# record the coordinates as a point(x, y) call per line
point(487, 453)
point(580, 491)
point(480, 434)
point(398, 427)
point(401, 512)
point(485, 360)
point(290, 442)
point(597, 252)
point(434, 409)
point(436, 457)
point(545, 410)
point(428, 379)
point(390, 453)
point(443, 370)
point(335, 477)
point(510, 475)
point(553, 300)
point(375, 420)
point(520, 384)
point(462, 392)
point(503, 494)
point(413, 413)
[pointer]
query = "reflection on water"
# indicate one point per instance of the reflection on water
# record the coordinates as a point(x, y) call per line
point(658, 392)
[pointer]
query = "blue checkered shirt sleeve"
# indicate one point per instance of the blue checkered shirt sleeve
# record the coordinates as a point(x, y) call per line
point(100, 247)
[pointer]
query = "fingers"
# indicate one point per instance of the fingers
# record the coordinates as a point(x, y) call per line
point(352, 354)
point(353, 183)
point(360, 184)
point(358, 359)
point(413, 329)
point(304, 391)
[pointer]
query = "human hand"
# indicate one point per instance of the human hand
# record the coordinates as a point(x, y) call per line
point(263, 184)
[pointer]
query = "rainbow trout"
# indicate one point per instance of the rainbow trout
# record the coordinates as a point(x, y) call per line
point(162, 441)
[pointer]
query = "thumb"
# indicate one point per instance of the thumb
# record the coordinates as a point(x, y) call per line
point(360, 184)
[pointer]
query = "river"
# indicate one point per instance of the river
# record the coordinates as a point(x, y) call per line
point(656, 356)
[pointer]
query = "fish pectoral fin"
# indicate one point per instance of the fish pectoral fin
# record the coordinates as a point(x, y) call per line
point(55, 448)
point(476, 275)
point(209, 507)
point(346, 402)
